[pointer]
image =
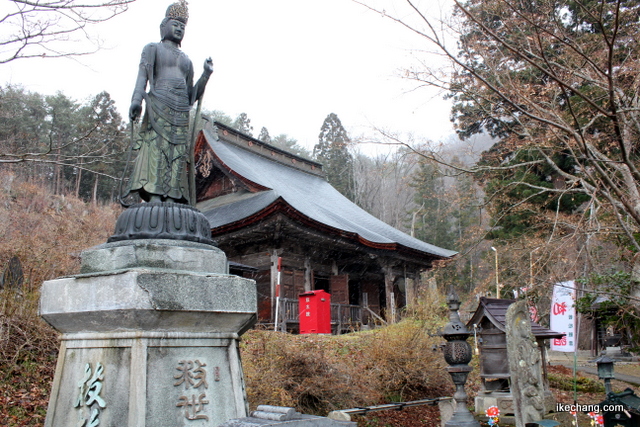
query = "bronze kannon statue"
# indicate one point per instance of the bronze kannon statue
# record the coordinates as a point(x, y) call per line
point(163, 174)
point(162, 167)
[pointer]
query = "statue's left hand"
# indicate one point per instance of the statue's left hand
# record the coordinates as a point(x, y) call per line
point(208, 66)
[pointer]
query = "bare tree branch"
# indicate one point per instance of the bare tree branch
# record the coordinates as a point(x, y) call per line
point(44, 28)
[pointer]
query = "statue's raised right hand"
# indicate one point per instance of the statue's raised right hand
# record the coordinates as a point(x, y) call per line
point(134, 111)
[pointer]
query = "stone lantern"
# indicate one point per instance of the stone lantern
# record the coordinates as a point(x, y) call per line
point(457, 353)
point(605, 371)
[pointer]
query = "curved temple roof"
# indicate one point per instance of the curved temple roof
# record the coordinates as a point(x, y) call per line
point(303, 194)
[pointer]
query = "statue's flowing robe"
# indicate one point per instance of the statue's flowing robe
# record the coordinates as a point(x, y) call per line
point(161, 166)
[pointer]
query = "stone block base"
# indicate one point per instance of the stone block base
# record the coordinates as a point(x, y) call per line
point(299, 421)
point(147, 379)
point(150, 334)
point(504, 402)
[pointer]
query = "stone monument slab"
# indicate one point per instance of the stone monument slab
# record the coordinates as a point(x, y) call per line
point(525, 365)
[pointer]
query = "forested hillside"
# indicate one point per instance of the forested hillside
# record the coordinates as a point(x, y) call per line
point(70, 147)
point(42, 236)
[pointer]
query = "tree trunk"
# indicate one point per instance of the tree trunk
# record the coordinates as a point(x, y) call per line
point(78, 180)
point(95, 190)
point(57, 175)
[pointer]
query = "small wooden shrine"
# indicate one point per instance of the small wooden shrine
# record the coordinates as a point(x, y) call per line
point(488, 327)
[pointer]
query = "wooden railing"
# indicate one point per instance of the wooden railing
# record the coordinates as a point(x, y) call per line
point(344, 316)
point(290, 310)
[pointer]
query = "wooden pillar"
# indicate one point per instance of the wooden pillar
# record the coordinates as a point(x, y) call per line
point(307, 274)
point(274, 280)
point(410, 286)
point(388, 291)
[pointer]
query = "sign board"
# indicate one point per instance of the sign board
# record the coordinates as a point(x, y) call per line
point(563, 316)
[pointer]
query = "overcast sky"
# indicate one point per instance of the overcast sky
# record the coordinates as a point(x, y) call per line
point(286, 63)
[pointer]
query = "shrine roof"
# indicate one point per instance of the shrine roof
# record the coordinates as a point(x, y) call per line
point(495, 310)
point(276, 180)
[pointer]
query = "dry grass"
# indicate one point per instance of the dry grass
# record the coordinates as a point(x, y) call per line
point(46, 233)
point(318, 373)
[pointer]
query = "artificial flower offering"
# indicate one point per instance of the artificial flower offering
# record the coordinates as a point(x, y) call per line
point(596, 419)
point(493, 413)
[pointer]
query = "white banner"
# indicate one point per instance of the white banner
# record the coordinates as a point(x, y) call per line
point(563, 316)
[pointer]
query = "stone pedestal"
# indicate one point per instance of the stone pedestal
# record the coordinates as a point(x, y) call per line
point(502, 399)
point(150, 333)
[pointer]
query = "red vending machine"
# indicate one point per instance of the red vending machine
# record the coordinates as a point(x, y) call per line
point(315, 312)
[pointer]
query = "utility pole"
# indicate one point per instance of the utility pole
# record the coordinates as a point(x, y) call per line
point(497, 278)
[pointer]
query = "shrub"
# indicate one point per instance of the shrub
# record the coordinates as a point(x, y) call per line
point(317, 373)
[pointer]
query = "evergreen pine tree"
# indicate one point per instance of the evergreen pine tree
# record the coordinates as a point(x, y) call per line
point(291, 145)
point(242, 124)
point(431, 221)
point(332, 150)
point(218, 116)
point(264, 135)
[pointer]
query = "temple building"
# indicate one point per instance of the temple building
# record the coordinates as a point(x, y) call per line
point(266, 205)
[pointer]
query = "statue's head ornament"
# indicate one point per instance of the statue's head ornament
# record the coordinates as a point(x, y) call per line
point(178, 11)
